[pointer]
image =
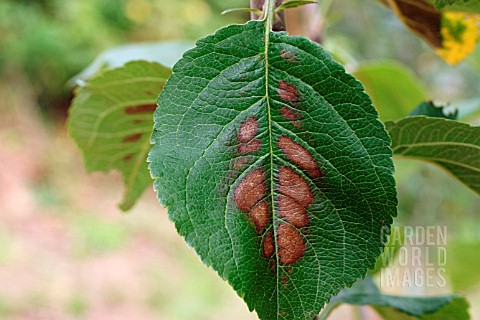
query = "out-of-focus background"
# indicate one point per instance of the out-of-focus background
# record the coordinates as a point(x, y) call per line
point(66, 250)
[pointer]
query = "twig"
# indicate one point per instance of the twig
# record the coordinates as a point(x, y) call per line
point(279, 23)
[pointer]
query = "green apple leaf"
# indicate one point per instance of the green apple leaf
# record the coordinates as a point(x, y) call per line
point(429, 109)
point(274, 168)
point(390, 307)
point(453, 145)
point(111, 121)
point(451, 307)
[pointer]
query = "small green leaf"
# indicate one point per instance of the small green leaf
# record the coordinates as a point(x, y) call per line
point(394, 89)
point(429, 109)
point(442, 3)
point(453, 145)
point(294, 4)
point(111, 121)
point(452, 307)
point(366, 293)
point(401, 308)
point(274, 167)
point(258, 12)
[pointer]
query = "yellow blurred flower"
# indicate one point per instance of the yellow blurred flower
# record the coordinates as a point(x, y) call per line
point(196, 12)
point(138, 11)
point(460, 33)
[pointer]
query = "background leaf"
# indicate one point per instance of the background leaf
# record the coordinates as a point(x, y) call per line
point(111, 121)
point(471, 6)
point(453, 145)
point(258, 12)
point(429, 109)
point(274, 167)
point(366, 293)
point(394, 89)
point(165, 53)
point(453, 307)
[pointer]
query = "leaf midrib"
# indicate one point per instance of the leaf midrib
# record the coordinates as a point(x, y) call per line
point(268, 24)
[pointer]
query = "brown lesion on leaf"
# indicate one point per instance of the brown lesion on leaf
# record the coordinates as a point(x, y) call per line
point(291, 115)
point(290, 243)
point(292, 211)
point(133, 137)
point(249, 147)
point(248, 130)
point(146, 108)
point(288, 114)
point(287, 92)
point(300, 156)
point(293, 201)
point(128, 157)
point(292, 185)
point(268, 245)
point(250, 190)
point(271, 265)
point(288, 56)
point(240, 163)
point(260, 216)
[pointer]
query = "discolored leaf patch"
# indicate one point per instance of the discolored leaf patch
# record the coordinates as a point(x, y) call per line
point(269, 247)
point(291, 244)
point(299, 155)
point(132, 138)
point(292, 185)
point(292, 211)
point(287, 92)
point(261, 216)
point(146, 108)
point(250, 190)
point(248, 130)
point(289, 56)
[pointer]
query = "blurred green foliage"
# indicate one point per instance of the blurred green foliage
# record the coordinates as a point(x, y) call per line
point(52, 40)
point(97, 236)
